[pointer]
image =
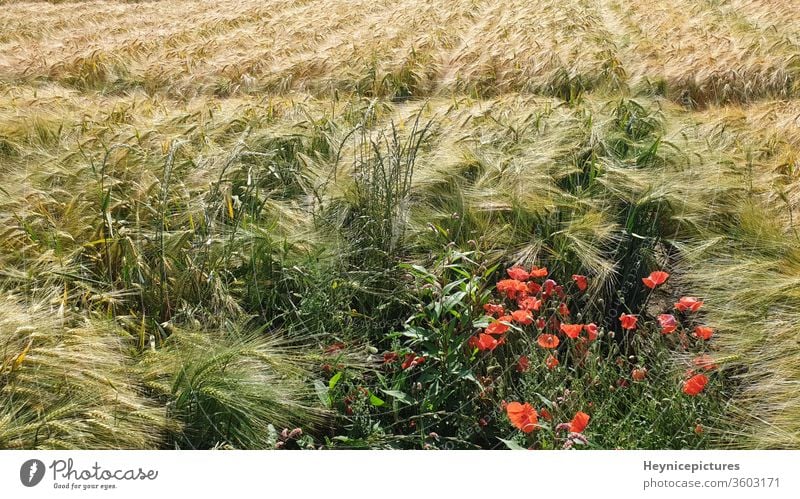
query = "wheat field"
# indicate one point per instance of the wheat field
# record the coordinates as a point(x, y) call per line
point(199, 198)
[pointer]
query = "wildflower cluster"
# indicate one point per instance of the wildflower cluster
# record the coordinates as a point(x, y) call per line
point(538, 356)
point(533, 302)
point(530, 304)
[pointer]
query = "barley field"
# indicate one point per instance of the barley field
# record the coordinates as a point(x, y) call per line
point(462, 224)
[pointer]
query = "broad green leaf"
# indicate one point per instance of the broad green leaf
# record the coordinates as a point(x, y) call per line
point(397, 394)
point(545, 400)
point(416, 333)
point(322, 392)
point(375, 400)
point(481, 322)
point(335, 379)
point(511, 444)
point(453, 300)
point(468, 375)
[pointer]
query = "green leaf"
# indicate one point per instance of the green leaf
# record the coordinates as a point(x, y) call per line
point(375, 400)
point(397, 394)
point(416, 333)
point(468, 375)
point(545, 400)
point(335, 379)
point(322, 392)
point(462, 272)
point(453, 300)
point(511, 444)
point(481, 323)
point(450, 286)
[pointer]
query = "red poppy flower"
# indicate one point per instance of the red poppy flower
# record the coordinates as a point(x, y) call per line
point(506, 285)
point(546, 414)
point(541, 323)
point(655, 279)
point(549, 285)
point(591, 331)
point(551, 362)
point(484, 342)
point(522, 416)
point(639, 374)
point(703, 332)
point(494, 309)
point(547, 340)
point(389, 357)
point(538, 272)
point(412, 360)
point(487, 342)
point(572, 330)
point(668, 323)
point(523, 364)
point(512, 288)
point(704, 362)
point(689, 303)
point(518, 273)
point(581, 281)
point(500, 326)
point(698, 429)
point(695, 384)
point(523, 317)
point(530, 303)
point(628, 321)
point(563, 309)
point(534, 288)
point(579, 422)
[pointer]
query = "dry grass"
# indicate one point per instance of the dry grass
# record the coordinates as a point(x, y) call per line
point(69, 385)
point(703, 53)
point(176, 137)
